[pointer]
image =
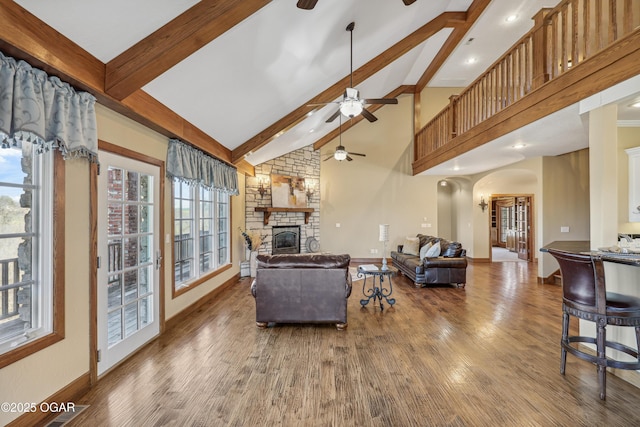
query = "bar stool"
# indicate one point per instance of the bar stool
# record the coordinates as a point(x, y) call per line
point(584, 295)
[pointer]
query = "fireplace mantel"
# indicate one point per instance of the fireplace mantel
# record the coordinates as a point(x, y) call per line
point(267, 212)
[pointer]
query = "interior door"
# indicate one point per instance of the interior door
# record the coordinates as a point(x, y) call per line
point(128, 298)
point(523, 220)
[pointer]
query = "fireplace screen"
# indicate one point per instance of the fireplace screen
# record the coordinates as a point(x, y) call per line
point(286, 240)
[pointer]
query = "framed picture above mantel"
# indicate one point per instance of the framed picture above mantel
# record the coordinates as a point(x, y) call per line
point(288, 191)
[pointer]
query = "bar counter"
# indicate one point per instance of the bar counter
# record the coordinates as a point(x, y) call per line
point(623, 277)
point(584, 247)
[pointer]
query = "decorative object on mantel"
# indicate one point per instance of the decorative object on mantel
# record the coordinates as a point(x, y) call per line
point(384, 238)
point(287, 191)
point(267, 212)
point(253, 241)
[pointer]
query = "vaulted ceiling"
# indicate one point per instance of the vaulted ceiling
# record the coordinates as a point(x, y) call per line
point(241, 73)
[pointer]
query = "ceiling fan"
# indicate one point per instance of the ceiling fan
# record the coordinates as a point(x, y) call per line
point(310, 4)
point(351, 104)
point(341, 153)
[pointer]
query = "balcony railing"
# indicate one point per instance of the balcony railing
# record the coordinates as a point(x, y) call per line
point(9, 284)
point(562, 38)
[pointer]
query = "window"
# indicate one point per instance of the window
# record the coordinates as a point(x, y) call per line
point(27, 212)
point(201, 232)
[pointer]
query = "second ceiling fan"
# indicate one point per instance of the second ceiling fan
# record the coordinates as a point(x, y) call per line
point(310, 4)
point(351, 104)
point(341, 153)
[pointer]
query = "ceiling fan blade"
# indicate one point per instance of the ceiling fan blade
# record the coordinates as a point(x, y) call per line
point(309, 4)
point(329, 158)
point(333, 116)
point(368, 115)
point(381, 101)
point(349, 159)
point(408, 2)
point(357, 154)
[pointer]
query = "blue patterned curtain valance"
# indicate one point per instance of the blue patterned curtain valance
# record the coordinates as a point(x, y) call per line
point(45, 111)
point(187, 164)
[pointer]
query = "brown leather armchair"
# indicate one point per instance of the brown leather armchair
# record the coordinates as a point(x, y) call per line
point(304, 288)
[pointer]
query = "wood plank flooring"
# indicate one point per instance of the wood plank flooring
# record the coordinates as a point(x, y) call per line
point(486, 355)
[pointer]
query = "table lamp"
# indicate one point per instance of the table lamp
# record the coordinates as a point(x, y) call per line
point(384, 238)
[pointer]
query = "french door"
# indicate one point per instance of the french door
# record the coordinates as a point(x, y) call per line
point(523, 218)
point(128, 297)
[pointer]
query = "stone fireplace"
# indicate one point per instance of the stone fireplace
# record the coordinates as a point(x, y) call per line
point(304, 163)
point(285, 239)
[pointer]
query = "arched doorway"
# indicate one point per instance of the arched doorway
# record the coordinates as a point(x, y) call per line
point(510, 232)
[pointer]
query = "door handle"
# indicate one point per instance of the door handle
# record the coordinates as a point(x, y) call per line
point(158, 259)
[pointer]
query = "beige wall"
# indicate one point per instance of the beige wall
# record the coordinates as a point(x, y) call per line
point(35, 378)
point(433, 100)
point(376, 189)
point(565, 192)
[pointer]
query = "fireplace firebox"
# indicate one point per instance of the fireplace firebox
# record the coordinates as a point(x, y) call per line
point(285, 240)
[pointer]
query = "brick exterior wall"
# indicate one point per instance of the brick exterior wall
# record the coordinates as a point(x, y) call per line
point(304, 163)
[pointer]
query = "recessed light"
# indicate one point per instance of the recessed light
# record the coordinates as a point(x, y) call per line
point(511, 18)
point(472, 60)
point(519, 146)
point(443, 183)
point(456, 168)
point(311, 130)
point(635, 104)
point(310, 113)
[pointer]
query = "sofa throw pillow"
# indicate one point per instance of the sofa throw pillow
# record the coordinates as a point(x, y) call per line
point(454, 250)
point(410, 246)
point(434, 251)
point(424, 249)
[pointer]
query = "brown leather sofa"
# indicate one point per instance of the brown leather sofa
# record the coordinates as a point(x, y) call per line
point(448, 268)
point(302, 288)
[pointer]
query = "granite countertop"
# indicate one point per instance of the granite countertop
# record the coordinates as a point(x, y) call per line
point(584, 246)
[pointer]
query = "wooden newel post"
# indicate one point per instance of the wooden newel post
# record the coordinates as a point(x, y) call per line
point(453, 125)
point(540, 56)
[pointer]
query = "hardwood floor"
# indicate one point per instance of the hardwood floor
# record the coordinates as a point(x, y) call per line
point(484, 355)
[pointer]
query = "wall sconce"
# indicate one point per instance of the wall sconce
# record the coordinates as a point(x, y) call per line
point(483, 205)
point(309, 190)
point(261, 188)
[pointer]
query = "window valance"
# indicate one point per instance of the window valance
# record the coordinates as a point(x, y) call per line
point(46, 111)
point(193, 166)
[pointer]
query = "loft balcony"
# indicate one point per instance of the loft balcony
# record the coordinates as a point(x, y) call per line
point(573, 51)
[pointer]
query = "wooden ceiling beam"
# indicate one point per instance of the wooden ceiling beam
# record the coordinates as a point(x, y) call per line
point(410, 89)
point(174, 42)
point(23, 36)
point(454, 39)
point(444, 20)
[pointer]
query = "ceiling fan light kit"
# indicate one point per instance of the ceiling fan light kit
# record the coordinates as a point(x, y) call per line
point(351, 108)
point(340, 154)
point(352, 105)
